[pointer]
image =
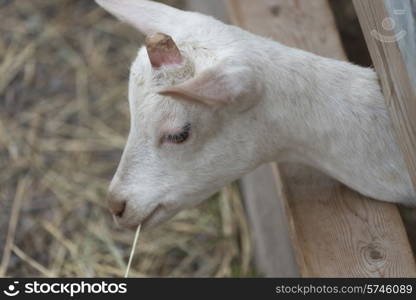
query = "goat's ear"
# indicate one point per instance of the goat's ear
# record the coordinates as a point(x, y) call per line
point(146, 16)
point(216, 86)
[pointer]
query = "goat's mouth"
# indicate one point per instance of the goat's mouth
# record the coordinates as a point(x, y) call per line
point(152, 218)
point(158, 215)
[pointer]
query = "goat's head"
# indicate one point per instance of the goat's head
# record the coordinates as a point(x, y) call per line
point(190, 94)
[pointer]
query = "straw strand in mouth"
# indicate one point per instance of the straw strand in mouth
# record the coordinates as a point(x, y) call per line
point(133, 250)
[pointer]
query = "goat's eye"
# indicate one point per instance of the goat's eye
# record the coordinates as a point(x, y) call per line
point(181, 137)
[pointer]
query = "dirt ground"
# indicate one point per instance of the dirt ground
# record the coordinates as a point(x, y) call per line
point(63, 123)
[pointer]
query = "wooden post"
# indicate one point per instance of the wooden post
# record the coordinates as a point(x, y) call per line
point(335, 231)
point(265, 205)
point(390, 32)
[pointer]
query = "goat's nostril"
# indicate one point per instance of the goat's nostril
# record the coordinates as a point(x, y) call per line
point(117, 207)
point(120, 210)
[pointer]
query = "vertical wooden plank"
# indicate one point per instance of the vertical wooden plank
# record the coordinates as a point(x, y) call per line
point(389, 29)
point(335, 231)
point(214, 8)
point(274, 254)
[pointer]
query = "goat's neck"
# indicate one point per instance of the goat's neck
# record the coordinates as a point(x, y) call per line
point(308, 104)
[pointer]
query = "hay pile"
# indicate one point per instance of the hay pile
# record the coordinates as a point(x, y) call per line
point(63, 124)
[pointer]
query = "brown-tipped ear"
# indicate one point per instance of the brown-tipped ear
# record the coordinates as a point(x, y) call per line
point(214, 87)
point(162, 50)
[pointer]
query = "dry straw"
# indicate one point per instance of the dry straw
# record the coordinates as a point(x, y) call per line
point(64, 119)
point(133, 250)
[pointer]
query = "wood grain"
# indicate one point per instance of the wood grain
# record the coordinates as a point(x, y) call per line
point(341, 233)
point(335, 231)
point(395, 67)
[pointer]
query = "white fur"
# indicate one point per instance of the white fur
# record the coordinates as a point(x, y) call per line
point(281, 104)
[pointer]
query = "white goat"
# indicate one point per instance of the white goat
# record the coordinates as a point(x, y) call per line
point(224, 101)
